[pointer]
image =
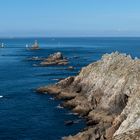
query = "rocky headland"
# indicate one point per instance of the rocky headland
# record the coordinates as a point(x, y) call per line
point(107, 94)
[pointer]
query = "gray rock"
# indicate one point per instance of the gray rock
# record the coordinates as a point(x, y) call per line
point(107, 92)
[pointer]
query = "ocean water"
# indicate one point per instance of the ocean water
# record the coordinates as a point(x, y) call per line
point(26, 115)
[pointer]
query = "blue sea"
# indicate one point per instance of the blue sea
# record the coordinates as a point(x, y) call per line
point(27, 115)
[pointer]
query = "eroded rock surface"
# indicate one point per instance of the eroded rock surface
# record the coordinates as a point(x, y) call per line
point(54, 59)
point(107, 94)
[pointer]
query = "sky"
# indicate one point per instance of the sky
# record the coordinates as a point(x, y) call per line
point(69, 18)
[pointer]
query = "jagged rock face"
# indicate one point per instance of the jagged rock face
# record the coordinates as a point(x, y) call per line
point(131, 125)
point(108, 93)
point(117, 77)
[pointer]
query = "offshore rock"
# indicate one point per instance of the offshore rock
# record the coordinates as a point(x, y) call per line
point(54, 59)
point(69, 122)
point(107, 94)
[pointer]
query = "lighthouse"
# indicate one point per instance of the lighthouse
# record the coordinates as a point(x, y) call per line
point(35, 45)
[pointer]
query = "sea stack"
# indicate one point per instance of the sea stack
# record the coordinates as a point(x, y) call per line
point(107, 94)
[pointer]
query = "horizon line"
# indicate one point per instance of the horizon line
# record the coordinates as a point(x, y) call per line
point(12, 37)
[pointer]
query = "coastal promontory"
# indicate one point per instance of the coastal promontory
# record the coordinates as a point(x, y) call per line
point(107, 94)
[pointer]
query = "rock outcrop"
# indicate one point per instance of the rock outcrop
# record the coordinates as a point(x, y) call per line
point(107, 94)
point(54, 59)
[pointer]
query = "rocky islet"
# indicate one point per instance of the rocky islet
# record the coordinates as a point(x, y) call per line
point(53, 59)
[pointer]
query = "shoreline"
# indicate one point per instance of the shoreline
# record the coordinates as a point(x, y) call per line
point(67, 98)
point(83, 95)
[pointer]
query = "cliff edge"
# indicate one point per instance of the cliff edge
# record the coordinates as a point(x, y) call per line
point(107, 94)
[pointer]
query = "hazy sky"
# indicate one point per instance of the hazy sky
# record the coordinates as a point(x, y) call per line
point(69, 17)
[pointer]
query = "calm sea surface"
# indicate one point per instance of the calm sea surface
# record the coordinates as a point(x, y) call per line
point(26, 115)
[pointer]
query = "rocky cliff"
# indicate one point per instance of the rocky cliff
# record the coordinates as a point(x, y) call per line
point(107, 94)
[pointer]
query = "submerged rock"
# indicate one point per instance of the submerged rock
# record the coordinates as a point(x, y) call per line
point(54, 59)
point(107, 93)
point(69, 122)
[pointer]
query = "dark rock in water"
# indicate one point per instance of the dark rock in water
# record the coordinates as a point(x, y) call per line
point(107, 92)
point(69, 122)
point(54, 59)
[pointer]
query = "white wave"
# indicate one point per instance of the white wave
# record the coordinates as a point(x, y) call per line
point(59, 107)
point(72, 113)
point(1, 96)
point(55, 79)
point(51, 98)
